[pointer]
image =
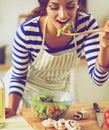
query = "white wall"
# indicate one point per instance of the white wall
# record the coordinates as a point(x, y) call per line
point(11, 9)
point(85, 88)
point(9, 12)
point(99, 8)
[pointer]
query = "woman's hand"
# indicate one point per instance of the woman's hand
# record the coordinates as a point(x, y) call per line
point(9, 112)
point(104, 36)
point(103, 58)
point(12, 105)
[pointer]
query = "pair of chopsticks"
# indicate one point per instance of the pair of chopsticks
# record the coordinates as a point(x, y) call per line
point(106, 29)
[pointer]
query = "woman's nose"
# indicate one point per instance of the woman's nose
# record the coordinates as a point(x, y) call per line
point(62, 13)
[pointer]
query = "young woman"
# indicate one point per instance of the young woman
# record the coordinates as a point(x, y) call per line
point(43, 61)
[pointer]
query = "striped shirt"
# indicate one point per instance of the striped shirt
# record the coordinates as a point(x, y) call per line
point(27, 44)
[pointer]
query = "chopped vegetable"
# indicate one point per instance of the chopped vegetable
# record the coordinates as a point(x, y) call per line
point(43, 98)
point(67, 27)
point(46, 107)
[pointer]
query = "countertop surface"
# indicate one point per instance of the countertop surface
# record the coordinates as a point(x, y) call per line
point(90, 123)
point(26, 120)
point(16, 123)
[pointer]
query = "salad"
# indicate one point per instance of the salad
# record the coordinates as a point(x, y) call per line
point(68, 28)
point(47, 107)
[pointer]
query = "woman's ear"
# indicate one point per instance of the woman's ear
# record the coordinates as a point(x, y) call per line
point(78, 7)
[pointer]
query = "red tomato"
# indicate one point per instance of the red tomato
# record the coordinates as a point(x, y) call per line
point(53, 129)
point(68, 30)
point(107, 122)
point(45, 100)
point(106, 114)
point(52, 110)
point(106, 118)
point(56, 108)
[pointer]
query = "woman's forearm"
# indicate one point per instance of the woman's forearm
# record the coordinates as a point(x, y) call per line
point(14, 101)
point(103, 58)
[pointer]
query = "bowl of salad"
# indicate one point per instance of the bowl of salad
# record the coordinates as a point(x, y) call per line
point(50, 104)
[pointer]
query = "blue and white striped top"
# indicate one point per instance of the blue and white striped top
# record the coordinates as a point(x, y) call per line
point(27, 43)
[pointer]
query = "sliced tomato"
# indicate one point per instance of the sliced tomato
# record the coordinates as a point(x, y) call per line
point(68, 30)
point(52, 109)
point(53, 129)
point(56, 108)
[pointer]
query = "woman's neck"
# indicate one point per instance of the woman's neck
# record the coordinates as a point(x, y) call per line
point(50, 29)
point(50, 35)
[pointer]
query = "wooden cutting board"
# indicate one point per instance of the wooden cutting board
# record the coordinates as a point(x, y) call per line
point(88, 124)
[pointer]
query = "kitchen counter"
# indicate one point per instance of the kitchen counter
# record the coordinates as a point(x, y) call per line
point(90, 123)
point(28, 121)
point(16, 123)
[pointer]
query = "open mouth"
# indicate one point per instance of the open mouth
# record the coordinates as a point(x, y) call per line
point(63, 21)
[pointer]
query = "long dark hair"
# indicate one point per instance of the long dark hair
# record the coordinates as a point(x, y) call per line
point(41, 10)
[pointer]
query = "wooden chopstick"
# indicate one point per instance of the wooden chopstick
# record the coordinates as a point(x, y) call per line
point(87, 32)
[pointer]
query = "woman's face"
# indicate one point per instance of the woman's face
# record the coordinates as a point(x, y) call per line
point(61, 12)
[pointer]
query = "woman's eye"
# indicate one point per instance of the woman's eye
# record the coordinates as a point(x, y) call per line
point(54, 7)
point(70, 6)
